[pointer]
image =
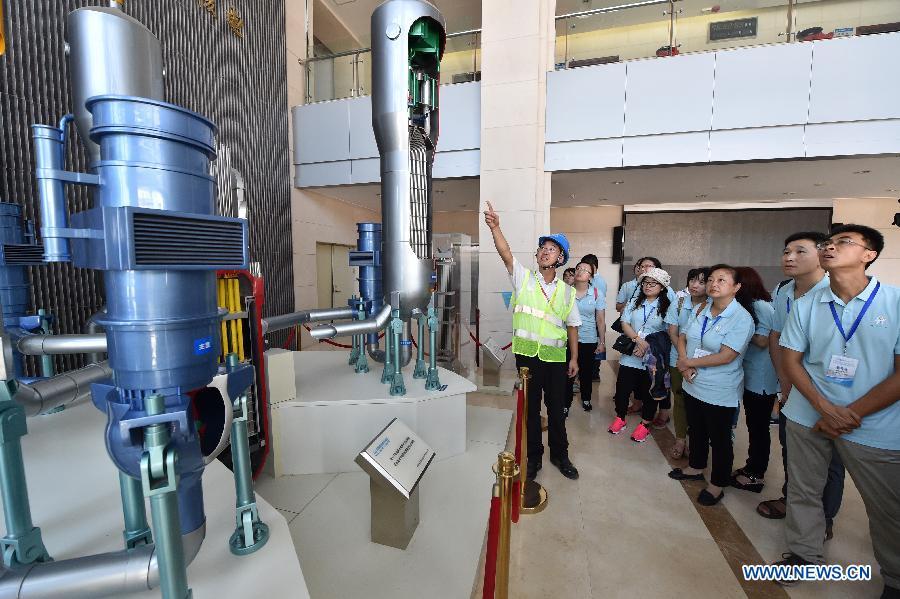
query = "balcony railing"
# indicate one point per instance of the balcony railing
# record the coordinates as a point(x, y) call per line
point(641, 29)
point(349, 74)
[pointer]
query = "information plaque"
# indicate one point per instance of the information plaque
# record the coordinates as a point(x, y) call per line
point(729, 30)
point(395, 461)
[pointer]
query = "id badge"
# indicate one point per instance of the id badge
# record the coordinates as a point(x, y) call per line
point(642, 334)
point(700, 353)
point(842, 370)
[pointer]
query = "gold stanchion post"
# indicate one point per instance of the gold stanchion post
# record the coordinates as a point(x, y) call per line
point(534, 497)
point(506, 472)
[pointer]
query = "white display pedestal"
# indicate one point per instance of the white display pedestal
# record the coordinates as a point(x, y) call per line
point(74, 492)
point(322, 421)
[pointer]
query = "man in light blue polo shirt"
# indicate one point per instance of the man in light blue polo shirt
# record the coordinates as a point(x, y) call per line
point(842, 356)
point(800, 261)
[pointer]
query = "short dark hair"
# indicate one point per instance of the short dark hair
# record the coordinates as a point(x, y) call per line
point(873, 238)
point(655, 261)
point(696, 272)
point(592, 260)
point(569, 271)
point(814, 236)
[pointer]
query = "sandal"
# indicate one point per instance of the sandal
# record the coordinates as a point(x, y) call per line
point(754, 484)
point(773, 509)
point(678, 449)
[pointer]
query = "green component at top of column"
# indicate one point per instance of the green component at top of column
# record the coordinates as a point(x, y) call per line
point(425, 51)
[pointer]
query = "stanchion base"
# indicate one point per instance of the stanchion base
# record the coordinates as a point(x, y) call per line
point(534, 498)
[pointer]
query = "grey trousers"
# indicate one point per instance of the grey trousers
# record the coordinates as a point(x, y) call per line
point(876, 473)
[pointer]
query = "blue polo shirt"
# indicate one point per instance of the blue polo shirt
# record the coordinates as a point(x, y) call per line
point(599, 283)
point(646, 320)
point(587, 307)
point(719, 385)
point(687, 309)
point(784, 301)
point(811, 329)
point(759, 373)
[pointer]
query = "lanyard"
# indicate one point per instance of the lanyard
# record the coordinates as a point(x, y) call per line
point(705, 322)
point(858, 320)
point(541, 287)
point(788, 305)
point(646, 316)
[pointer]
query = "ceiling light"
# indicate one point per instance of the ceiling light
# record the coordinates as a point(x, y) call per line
point(742, 176)
point(818, 185)
point(700, 196)
point(789, 193)
point(716, 187)
point(861, 172)
point(618, 182)
point(891, 190)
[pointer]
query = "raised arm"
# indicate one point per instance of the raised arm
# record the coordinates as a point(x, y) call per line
point(492, 220)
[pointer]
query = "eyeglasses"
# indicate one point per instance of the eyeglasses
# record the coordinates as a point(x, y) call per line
point(548, 248)
point(584, 269)
point(651, 283)
point(824, 245)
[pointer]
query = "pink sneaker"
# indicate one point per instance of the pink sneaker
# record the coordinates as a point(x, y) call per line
point(617, 426)
point(640, 433)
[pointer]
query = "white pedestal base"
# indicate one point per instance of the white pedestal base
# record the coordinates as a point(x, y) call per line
point(321, 423)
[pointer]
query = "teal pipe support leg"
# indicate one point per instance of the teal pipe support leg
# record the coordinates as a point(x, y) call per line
point(137, 530)
point(159, 483)
point(22, 544)
point(421, 370)
point(354, 351)
point(47, 367)
point(398, 387)
point(432, 382)
point(387, 374)
point(251, 533)
point(362, 363)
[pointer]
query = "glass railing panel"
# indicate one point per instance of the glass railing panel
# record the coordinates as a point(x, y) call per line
point(826, 19)
point(462, 58)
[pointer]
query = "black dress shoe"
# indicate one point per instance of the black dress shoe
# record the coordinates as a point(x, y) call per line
point(566, 467)
point(678, 474)
point(532, 469)
point(586, 406)
point(707, 498)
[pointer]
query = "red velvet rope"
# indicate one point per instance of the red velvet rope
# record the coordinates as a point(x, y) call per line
point(479, 343)
point(493, 541)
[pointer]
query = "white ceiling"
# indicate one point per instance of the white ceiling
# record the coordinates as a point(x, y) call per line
point(808, 180)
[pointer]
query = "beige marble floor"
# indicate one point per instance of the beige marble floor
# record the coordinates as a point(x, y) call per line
point(625, 529)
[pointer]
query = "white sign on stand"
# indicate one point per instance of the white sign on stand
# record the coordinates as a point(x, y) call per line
point(395, 461)
point(398, 455)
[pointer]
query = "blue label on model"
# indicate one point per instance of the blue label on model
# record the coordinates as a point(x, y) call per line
point(202, 346)
point(406, 342)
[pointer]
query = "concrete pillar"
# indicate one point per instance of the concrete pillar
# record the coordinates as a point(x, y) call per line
point(517, 47)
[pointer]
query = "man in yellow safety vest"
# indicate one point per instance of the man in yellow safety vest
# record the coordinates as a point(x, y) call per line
point(545, 322)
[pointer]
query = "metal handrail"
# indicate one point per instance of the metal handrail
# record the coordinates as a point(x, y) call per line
point(364, 50)
point(599, 11)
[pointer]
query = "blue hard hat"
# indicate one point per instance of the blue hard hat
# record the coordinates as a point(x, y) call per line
point(560, 240)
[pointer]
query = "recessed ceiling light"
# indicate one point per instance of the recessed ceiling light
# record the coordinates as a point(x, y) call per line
point(700, 196)
point(602, 199)
point(742, 176)
point(861, 172)
point(716, 187)
point(818, 185)
point(789, 193)
point(891, 190)
point(618, 182)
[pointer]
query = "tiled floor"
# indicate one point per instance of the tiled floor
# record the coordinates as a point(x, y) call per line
point(625, 529)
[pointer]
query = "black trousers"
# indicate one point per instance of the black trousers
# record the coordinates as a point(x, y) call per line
point(757, 412)
point(585, 373)
point(637, 381)
point(833, 494)
point(710, 426)
point(548, 380)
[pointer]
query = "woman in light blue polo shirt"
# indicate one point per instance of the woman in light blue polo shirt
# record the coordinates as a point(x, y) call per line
point(650, 312)
point(714, 346)
point(589, 302)
point(760, 382)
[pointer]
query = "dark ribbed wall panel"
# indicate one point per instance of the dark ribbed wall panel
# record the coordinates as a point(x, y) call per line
point(240, 84)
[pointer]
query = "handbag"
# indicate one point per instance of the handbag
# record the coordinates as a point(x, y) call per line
point(617, 325)
point(624, 345)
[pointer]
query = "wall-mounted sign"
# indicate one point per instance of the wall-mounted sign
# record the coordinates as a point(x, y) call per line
point(235, 22)
point(729, 30)
point(844, 31)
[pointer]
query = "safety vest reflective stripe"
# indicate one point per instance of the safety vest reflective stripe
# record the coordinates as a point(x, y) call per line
point(551, 318)
point(522, 333)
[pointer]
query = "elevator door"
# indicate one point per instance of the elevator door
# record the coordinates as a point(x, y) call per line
point(335, 280)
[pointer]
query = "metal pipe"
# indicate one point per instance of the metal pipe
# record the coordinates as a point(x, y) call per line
point(92, 327)
point(284, 321)
point(345, 329)
point(134, 514)
point(92, 577)
point(39, 345)
point(69, 387)
point(598, 11)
